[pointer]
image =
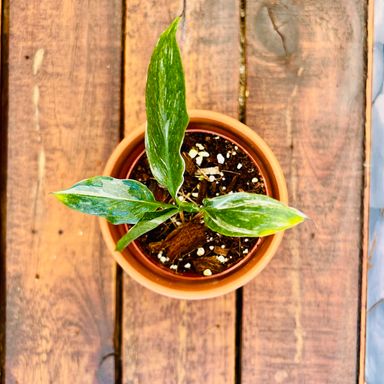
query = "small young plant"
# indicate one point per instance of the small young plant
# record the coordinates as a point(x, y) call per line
point(239, 214)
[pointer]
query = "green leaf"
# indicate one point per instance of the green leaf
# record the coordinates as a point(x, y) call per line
point(167, 116)
point(189, 207)
point(119, 201)
point(249, 215)
point(147, 223)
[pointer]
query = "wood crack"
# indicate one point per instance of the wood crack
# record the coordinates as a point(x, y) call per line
point(104, 358)
point(276, 29)
point(375, 305)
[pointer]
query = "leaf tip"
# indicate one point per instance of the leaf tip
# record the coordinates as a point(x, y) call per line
point(59, 195)
point(302, 215)
point(175, 22)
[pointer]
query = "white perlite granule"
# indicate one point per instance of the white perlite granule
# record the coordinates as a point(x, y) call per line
point(200, 251)
point(220, 158)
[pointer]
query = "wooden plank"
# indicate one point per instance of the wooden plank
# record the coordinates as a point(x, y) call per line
point(3, 173)
point(64, 88)
point(306, 81)
point(167, 340)
point(367, 169)
point(374, 356)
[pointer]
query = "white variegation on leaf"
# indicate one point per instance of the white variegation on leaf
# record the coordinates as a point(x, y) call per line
point(119, 201)
point(245, 214)
point(167, 116)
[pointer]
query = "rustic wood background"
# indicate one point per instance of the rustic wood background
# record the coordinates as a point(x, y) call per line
point(73, 77)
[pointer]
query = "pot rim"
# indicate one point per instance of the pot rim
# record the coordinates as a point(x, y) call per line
point(202, 288)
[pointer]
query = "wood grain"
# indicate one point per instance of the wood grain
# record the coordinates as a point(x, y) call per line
point(64, 91)
point(3, 177)
point(167, 340)
point(306, 81)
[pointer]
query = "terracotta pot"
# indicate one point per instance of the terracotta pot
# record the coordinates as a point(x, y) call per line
point(143, 269)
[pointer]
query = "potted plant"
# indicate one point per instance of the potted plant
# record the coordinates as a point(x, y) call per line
point(192, 204)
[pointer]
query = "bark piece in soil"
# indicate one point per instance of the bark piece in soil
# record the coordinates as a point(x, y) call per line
point(181, 240)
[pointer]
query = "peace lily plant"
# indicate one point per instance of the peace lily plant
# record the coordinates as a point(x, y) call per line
point(238, 214)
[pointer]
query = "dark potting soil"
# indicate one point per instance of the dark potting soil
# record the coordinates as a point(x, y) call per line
point(184, 245)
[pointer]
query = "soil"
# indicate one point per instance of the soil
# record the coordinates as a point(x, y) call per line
point(214, 166)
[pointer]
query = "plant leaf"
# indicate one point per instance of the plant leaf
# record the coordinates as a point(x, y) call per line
point(167, 116)
point(248, 214)
point(146, 224)
point(119, 201)
point(189, 207)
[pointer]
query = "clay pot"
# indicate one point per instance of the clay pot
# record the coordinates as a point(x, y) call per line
point(153, 276)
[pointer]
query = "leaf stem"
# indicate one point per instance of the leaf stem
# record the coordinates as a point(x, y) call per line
point(188, 207)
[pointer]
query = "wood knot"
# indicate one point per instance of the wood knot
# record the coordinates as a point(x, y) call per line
point(277, 31)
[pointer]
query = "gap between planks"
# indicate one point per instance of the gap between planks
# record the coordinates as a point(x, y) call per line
point(242, 118)
point(119, 287)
